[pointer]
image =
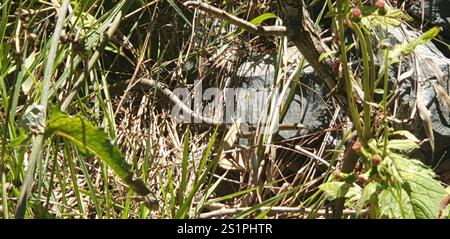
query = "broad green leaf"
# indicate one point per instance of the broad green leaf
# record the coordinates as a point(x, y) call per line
point(418, 181)
point(21, 139)
point(353, 195)
point(424, 38)
point(40, 212)
point(91, 140)
point(372, 144)
point(446, 212)
point(335, 190)
point(395, 203)
point(393, 18)
point(407, 135)
point(367, 193)
point(402, 144)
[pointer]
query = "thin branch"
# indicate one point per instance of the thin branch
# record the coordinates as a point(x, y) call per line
point(231, 211)
point(258, 30)
point(169, 94)
point(197, 117)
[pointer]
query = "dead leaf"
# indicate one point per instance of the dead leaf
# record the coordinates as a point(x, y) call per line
point(227, 162)
point(425, 115)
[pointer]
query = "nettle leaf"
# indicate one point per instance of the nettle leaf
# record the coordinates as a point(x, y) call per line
point(395, 203)
point(418, 182)
point(353, 195)
point(334, 190)
point(393, 18)
point(369, 190)
point(407, 135)
point(446, 212)
point(91, 140)
point(402, 144)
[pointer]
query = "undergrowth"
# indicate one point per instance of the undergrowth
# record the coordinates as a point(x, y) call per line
point(87, 130)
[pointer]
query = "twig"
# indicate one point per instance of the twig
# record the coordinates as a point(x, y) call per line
point(172, 97)
point(169, 94)
point(258, 30)
point(311, 155)
point(231, 211)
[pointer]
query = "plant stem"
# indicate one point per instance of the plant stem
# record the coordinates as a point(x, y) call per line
point(93, 60)
point(341, 6)
point(36, 152)
point(384, 103)
point(366, 81)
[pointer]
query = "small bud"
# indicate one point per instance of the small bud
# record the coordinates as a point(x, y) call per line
point(363, 178)
point(357, 146)
point(380, 4)
point(376, 160)
point(356, 14)
point(337, 174)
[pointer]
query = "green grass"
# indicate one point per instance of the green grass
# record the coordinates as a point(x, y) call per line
point(88, 62)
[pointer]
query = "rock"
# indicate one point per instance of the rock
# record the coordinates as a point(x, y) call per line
point(307, 107)
point(436, 13)
point(430, 64)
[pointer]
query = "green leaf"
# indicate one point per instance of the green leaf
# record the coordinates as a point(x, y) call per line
point(178, 10)
point(21, 139)
point(424, 38)
point(418, 182)
point(326, 55)
point(446, 212)
point(91, 140)
point(367, 193)
point(406, 134)
point(378, 91)
point(261, 18)
point(402, 144)
point(395, 203)
point(393, 18)
point(40, 212)
point(184, 165)
point(353, 195)
point(334, 190)
point(204, 170)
